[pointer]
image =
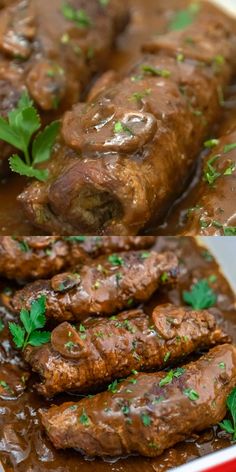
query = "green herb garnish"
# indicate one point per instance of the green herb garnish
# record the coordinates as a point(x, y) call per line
point(184, 18)
point(229, 147)
point(79, 17)
point(84, 419)
point(1, 326)
point(32, 323)
point(148, 69)
point(24, 246)
point(113, 387)
point(116, 260)
point(230, 425)
point(191, 394)
point(18, 131)
point(146, 419)
point(201, 296)
point(121, 127)
point(75, 239)
point(171, 375)
point(211, 143)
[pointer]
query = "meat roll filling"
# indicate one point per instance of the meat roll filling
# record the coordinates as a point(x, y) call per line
point(147, 413)
point(126, 157)
point(97, 352)
point(103, 287)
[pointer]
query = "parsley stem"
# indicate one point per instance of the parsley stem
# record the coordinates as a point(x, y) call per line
point(27, 156)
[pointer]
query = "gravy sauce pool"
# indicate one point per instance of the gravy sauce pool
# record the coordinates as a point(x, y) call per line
point(148, 17)
point(23, 444)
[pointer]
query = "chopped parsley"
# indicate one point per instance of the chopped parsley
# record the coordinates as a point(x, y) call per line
point(211, 143)
point(113, 387)
point(167, 356)
point(146, 419)
point(139, 96)
point(75, 239)
point(84, 419)
point(116, 260)
point(148, 69)
point(79, 17)
point(6, 387)
point(191, 394)
point(120, 127)
point(164, 277)
point(171, 375)
point(24, 247)
point(184, 18)
point(229, 147)
point(1, 326)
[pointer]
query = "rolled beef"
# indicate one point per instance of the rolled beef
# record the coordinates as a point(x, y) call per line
point(34, 257)
point(147, 413)
point(129, 153)
point(53, 49)
point(90, 355)
point(105, 286)
point(98, 245)
point(214, 209)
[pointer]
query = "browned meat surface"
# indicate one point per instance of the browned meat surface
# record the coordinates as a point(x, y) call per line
point(134, 158)
point(100, 351)
point(34, 257)
point(51, 55)
point(95, 246)
point(103, 287)
point(145, 414)
point(214, 210)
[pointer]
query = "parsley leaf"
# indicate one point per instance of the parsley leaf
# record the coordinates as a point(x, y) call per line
point(201, 296)
point(184, 18)
point(230, 425)
point(18, 131)
point(32, 323)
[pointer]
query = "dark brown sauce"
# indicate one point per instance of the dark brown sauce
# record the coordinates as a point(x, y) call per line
point(148, 17)
point(23, 445)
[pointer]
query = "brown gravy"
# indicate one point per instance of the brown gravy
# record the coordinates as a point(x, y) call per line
point(148, 17)
point(23, 445)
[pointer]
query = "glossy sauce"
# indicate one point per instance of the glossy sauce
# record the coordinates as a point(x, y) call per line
point(23, 445)
point(148, 17)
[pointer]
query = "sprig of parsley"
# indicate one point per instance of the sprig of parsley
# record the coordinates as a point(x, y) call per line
point(18, 130)
point(32, 323)
point(230, 425)
point(201, 296)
